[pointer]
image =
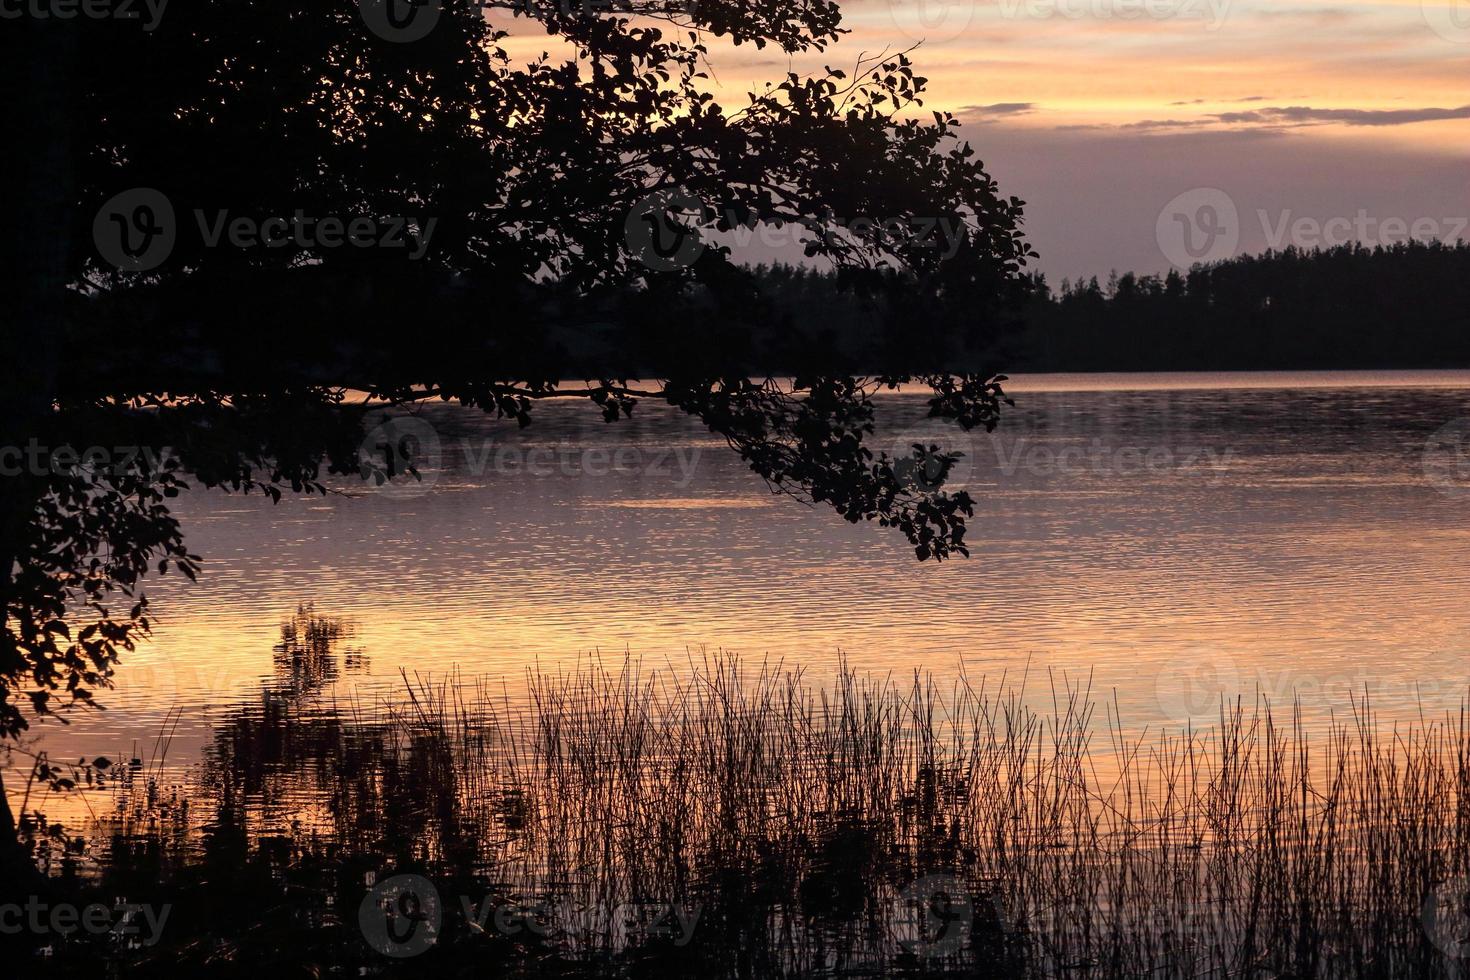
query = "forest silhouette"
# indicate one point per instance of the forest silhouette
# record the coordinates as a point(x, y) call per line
point(1352, 306)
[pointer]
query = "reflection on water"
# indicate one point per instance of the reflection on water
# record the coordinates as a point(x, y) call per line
point(737, 820)
point(1172, 536)
point(306, 659)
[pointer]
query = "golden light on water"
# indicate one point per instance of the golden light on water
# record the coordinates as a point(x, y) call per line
point(1116, 533)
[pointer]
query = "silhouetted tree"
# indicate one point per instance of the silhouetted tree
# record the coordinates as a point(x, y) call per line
point(1352, 306)
point(566, 218)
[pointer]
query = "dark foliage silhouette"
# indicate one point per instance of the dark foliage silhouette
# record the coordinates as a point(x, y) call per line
point(1351, 306)
point(494, 262)
point(1347, 307)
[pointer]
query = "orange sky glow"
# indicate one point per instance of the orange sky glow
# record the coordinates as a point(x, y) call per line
point(1099, 113)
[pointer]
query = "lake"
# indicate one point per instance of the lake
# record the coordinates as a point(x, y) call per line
point(1165, 538)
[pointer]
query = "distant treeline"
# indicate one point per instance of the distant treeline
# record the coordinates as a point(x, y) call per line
point(1399, 306)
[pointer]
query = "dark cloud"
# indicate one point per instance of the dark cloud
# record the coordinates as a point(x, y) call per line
point(1241, 117)
point(1164, 124)
point(1302, 115)
point(1280, 118)
point(1248, 98)
point(981, 112)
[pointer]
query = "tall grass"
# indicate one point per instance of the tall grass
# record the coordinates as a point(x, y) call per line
point(799, 816)
point(864, 826)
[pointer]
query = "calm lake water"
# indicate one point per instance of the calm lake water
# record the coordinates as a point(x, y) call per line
point(1173, 537)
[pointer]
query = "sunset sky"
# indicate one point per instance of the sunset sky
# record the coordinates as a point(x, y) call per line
point(1099, 113)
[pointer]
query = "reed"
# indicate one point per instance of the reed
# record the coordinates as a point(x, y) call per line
point(858, 825)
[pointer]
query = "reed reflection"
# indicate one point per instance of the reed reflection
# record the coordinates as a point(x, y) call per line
point(744, 818)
